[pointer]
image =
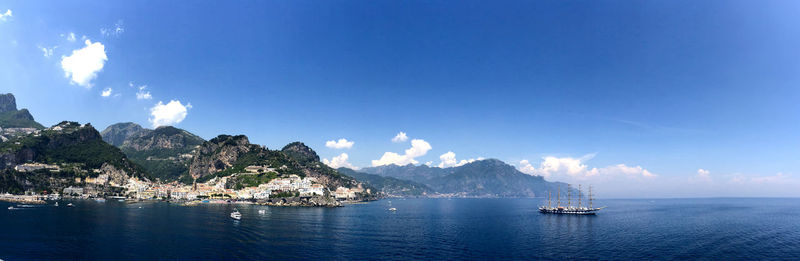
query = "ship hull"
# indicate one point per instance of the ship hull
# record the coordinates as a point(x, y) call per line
point(568, 211)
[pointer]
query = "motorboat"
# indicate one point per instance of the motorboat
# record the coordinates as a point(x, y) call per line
point(236, 215)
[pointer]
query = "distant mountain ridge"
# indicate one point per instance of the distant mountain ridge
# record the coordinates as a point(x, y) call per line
point(10, 117)
point(388, 185)
point(483, 178)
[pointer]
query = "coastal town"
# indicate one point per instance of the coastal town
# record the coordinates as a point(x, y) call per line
point(278, 191)
point(277, 186)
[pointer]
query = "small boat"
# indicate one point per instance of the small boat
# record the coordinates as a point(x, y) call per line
point(393, 209)
point(236, 215)
point(262, 211)
point(56, 204)
point(70, 205)
point(100, 200)
point(121, 200)
point(11, 208)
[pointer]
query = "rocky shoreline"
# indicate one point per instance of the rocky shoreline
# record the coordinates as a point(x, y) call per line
point(21, 199)
point(301, 202)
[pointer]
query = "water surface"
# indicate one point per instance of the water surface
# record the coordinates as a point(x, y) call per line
point(419, 229)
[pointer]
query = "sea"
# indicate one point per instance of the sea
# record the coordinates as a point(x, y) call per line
point(419, 229)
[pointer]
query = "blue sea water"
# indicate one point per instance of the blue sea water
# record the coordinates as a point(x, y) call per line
point(660, 229)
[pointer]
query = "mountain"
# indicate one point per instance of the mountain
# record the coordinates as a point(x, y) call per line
point(116, 134)
point(165, 152)
point(227, 155)
point(483, 178)
point(78, 151)
point(389, 185)
point(10, 117)
point(421, 173)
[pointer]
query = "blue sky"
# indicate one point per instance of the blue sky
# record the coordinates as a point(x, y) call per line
point(670, 88)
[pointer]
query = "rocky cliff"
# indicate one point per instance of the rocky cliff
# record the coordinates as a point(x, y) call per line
point(226, 155)
point(7, 102)
point(219, 153)
point(164, 152)
point(10, 117)
point(116, 134)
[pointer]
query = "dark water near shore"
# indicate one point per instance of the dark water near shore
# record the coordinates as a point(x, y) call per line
point(420, 229)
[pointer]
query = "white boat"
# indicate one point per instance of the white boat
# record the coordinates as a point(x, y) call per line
point(70, 205)
point(262, 211)
point(11, 208)
point(236, 215)
point(100, 200)
point(56, 204)
point(392, 209)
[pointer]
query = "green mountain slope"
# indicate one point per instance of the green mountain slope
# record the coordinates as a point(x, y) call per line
point(165, 152)
point(78, 150)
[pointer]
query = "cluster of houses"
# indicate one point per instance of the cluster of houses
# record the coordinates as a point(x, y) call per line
point(216, 189)
point(8, 133)
point(28, 167)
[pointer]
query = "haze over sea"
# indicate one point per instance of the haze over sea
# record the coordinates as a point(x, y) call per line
point(432, 229)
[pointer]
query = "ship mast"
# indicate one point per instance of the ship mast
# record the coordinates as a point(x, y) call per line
point(579, 196)
point(559, 196)
point(548, 199)
point(590, 197)
point(569, 196)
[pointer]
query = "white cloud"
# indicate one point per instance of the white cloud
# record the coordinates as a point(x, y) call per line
point(84, 64)
point(418, 148)
point(71, 37)
point(575, 168)
point(142, 94)
point(106, 92)
point(47, 52)
point(526, 167)
point(449, 160)
point(115, 31)
point(401, 137)
point(702, 176)
point(6, 15)
point(339, 161)
point(340, 144)
point(168, 114)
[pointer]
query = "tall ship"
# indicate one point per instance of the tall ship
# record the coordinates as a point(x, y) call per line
point(569, 209)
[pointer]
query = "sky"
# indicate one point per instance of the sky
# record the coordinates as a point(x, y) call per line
point(639, 98)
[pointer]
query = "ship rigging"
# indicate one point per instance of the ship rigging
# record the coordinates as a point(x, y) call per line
point(569, 209)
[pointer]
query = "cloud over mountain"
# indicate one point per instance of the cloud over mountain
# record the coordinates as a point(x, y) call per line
point(339, 161)
point(418, 148)
point(171, 113)
point(449, 160)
